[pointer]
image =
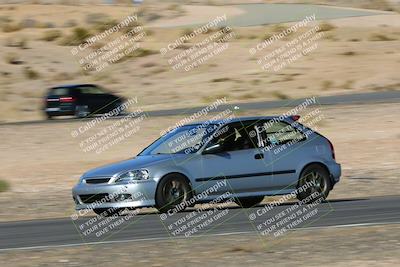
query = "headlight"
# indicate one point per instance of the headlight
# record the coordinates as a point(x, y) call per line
point(133, 175)
point(81, 178)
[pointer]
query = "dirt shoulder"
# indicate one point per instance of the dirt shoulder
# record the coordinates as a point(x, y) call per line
point(354, 247)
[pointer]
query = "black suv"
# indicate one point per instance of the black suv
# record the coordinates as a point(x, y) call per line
point(79, 100)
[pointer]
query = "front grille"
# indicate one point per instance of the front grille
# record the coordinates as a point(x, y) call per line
point(92, 198)
point(97, 180)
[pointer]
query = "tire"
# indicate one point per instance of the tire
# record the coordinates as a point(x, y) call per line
point(107, 212)
point(81, 111)
point(117, 105)
point(48, 116)
point(319, 176)
point(172, 190)
point(248, 202)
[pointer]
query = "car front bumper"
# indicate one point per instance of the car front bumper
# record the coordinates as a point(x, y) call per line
point(91, 196)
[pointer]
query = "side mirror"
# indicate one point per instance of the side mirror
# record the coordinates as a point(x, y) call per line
point(213, 149)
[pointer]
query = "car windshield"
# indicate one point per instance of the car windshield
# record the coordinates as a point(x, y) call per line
point(187, 139)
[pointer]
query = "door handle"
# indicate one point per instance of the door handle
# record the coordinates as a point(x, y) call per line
point(259, 156)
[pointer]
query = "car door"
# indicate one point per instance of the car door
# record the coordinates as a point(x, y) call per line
point(105, 101)
point(94, 98)
point(283, 149)
point(110, 102)
point(86, 98)
point(241, 162)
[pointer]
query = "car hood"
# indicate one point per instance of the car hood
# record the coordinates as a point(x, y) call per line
point(126, 165)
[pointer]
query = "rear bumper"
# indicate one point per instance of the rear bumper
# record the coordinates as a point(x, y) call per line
point(106, 195)
point(60, 111)
point(335, 170)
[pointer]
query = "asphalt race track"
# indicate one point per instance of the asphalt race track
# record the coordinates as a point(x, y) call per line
point(39, 234)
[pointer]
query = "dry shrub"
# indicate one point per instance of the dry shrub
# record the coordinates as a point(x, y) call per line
point(4, 186)
point(142, 52)
point(78, 36)
point(280, 95)
point(31, 74)
point(12, 58)
point(51, 35)
point(220, 80)
point(11, 27)
point(380, 37)
point(325, 85)
point(325, 27)
point(97, 18)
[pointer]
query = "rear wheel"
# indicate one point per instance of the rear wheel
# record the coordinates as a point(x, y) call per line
point(248, 202)
point(314, 184)
point(81, 111)
point(172, 190)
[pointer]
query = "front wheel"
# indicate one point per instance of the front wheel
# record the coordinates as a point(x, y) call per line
point(173, 190)
point(118, 109)
point(248, 202)
point(314, 184)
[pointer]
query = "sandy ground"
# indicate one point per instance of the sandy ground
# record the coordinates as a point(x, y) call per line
point(43, 162)
point(197, 14)
point(360, 54)
point(357, 246)
point(370, 21)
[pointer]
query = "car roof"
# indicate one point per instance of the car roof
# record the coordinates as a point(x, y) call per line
point(73, 85)
point(236, 119)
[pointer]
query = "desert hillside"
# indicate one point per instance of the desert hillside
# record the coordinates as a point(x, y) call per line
point(37, 41)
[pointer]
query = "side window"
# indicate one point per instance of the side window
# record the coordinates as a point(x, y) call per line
point(237, 136)
point(278, 133)
point(91, 90)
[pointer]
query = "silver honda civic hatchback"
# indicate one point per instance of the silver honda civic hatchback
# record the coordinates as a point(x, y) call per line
point(244, 158)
